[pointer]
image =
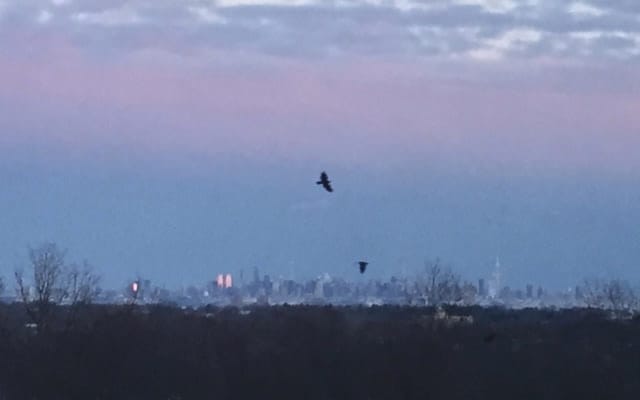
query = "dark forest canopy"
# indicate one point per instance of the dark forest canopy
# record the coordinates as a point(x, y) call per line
point(160, 352)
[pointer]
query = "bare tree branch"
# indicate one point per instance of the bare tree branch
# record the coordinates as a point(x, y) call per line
point(54, 283)
point(442, 285)
point(614, 294)
point(82, 284)
point(47, 286)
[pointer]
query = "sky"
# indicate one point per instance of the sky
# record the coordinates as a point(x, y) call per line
point(179, 139)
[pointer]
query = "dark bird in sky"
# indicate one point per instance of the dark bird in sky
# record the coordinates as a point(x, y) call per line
point(363, 266)
point(325, 182)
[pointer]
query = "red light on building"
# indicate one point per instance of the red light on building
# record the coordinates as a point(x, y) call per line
point(135, 287)
point(220, 281)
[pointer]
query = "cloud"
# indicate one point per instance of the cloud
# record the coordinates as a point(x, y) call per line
point(365, 82)
point(111, 17)
point(586, 10)
point(479, 30)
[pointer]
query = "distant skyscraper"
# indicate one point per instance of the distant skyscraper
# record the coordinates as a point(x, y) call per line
point(482, 289)
point(291, 269)
point(529, 291)
point(496, 281)
point(319, 289)
point(267, 285)
point(228, 281)
point(578, 293)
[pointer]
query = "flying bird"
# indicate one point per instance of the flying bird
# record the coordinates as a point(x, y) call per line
point(363, 266)
point(325, 182)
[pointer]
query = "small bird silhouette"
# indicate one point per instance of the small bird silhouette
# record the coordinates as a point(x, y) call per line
point(363, 266)
point(325, 182)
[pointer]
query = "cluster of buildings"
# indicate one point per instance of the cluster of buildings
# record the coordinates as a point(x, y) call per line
point(325, 289)
point(422, 289)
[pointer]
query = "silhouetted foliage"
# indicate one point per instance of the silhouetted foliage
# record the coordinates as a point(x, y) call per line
point(614, 294)
point(304, 352)
point(440, 284)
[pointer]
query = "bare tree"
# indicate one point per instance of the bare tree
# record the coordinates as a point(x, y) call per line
point(82, 289)
point(442, 285)
point(592, 293)
point(468, 293)
point(620, 296)
point(54, 283)
point(82, 284)
point(615, 294)
point(48, 285)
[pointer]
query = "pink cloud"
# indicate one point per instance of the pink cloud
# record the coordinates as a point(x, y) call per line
point(352, 110)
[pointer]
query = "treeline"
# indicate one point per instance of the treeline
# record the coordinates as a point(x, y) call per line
point(50, 280)
point(157, 352)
